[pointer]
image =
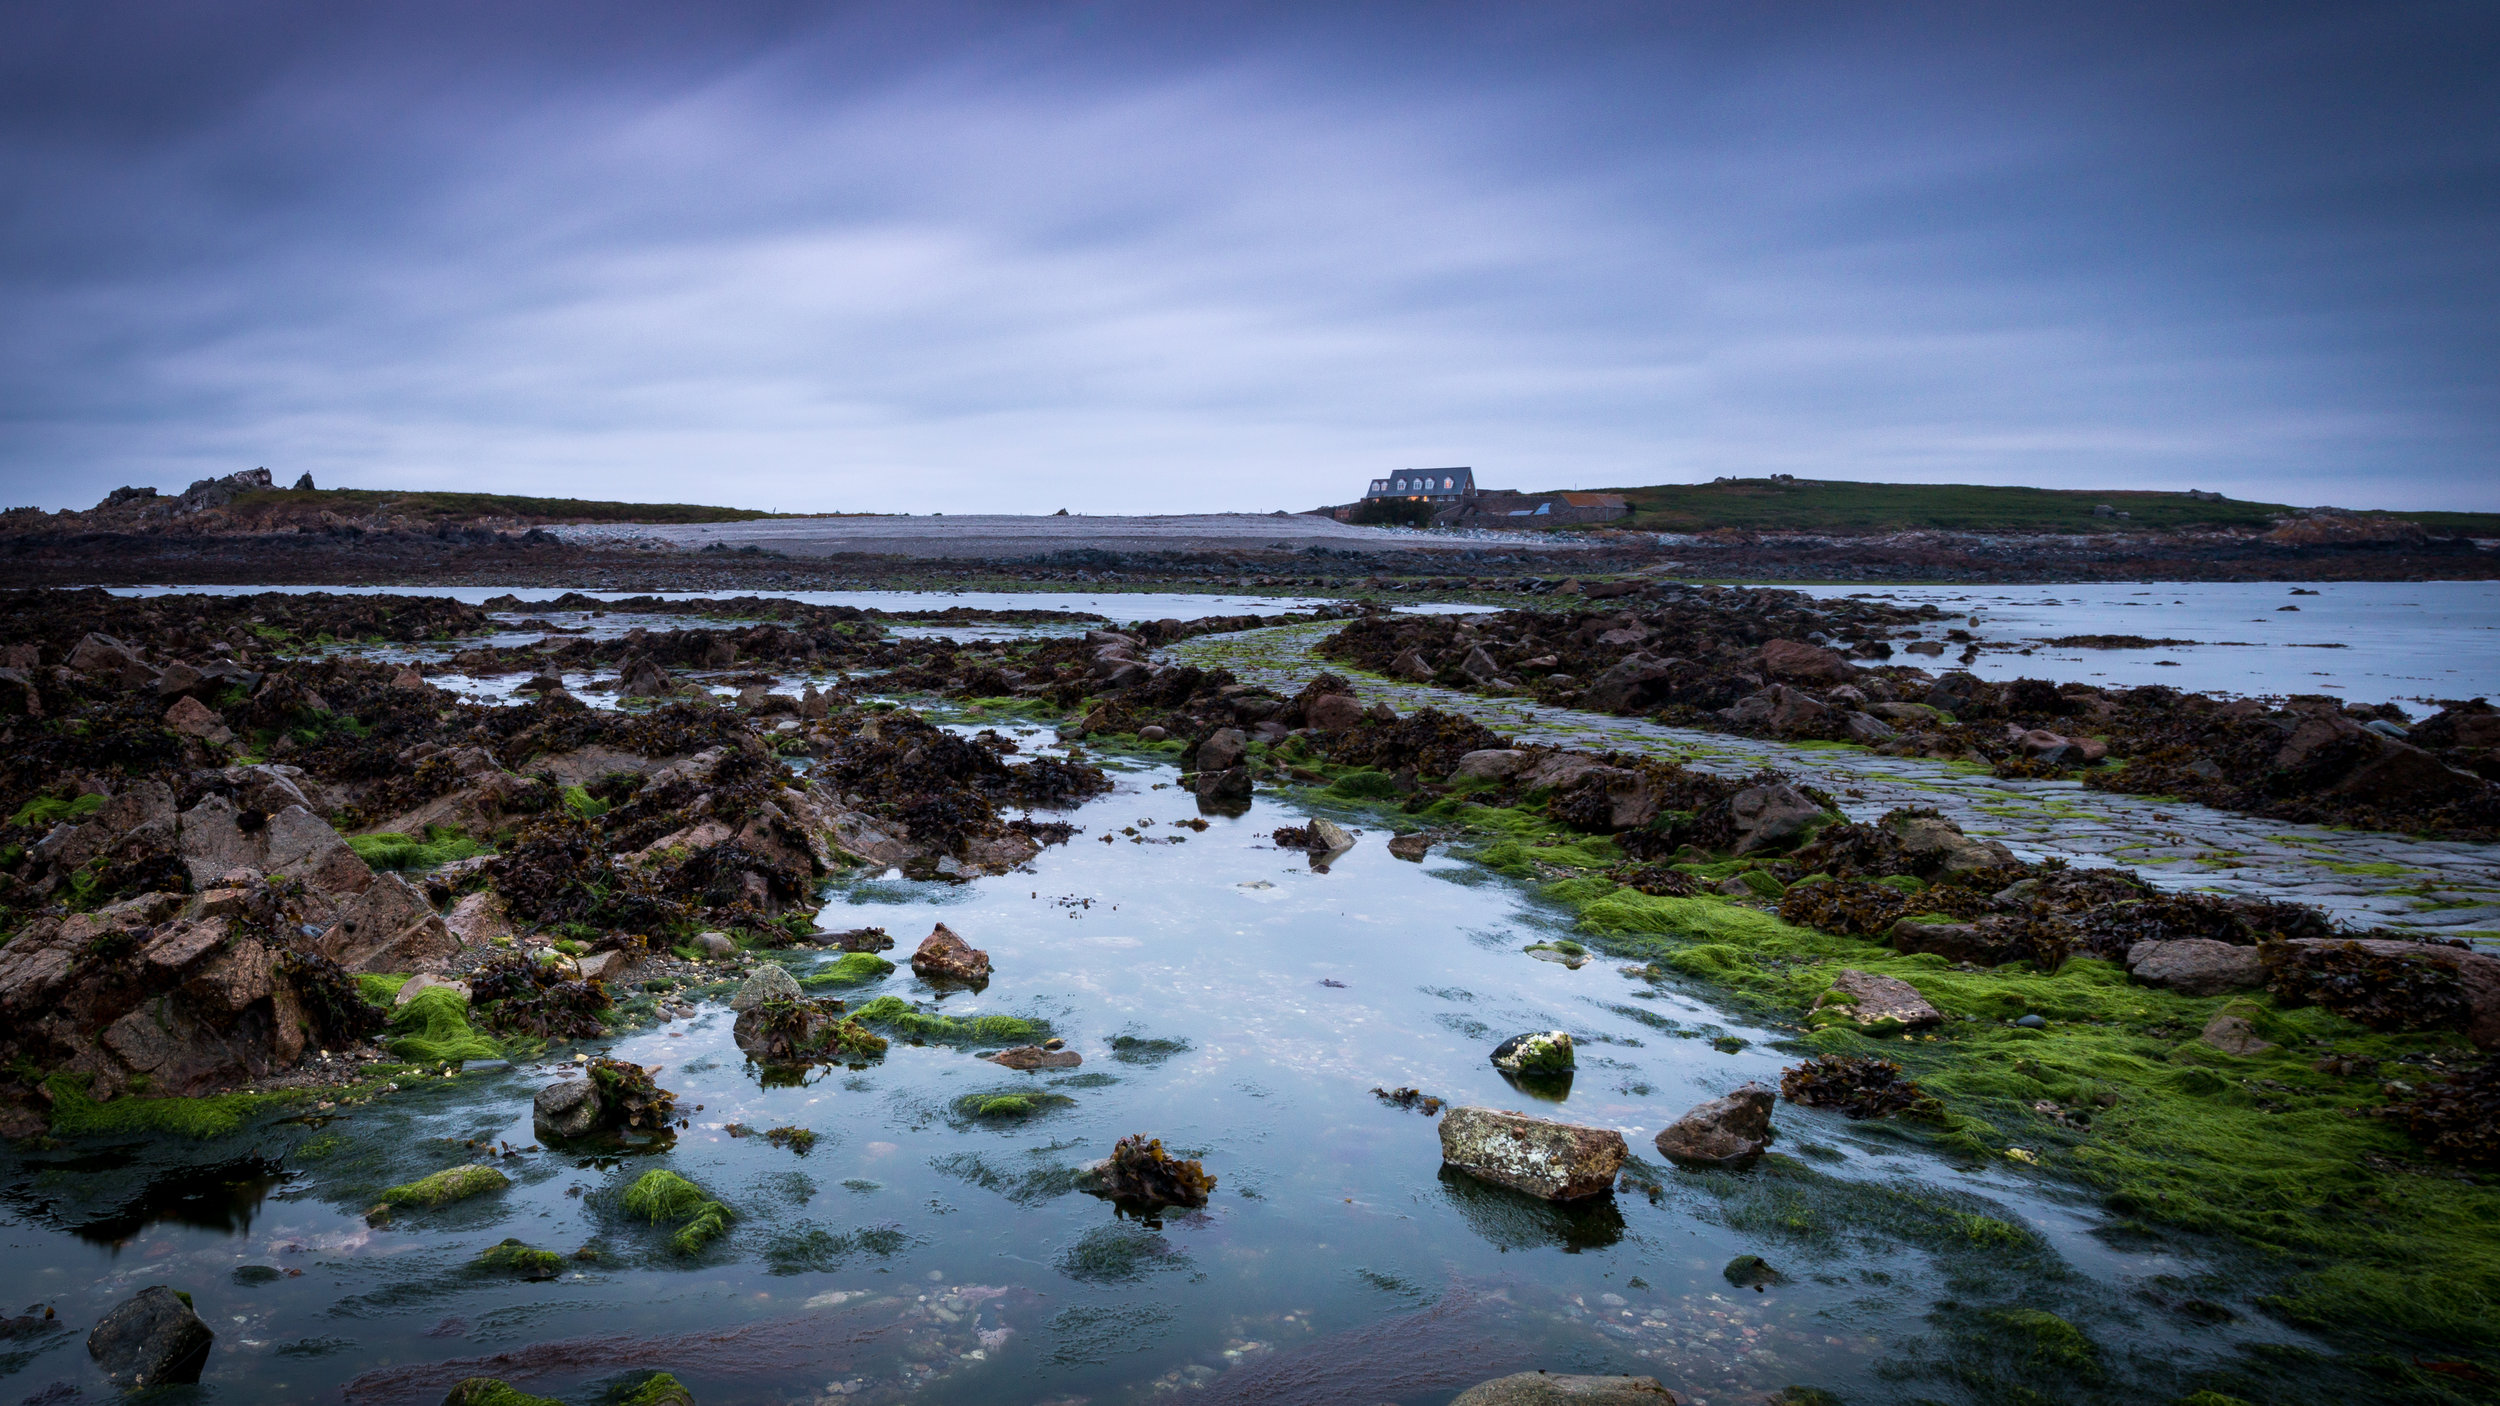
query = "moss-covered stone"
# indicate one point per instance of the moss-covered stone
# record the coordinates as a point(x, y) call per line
point(446, 1186)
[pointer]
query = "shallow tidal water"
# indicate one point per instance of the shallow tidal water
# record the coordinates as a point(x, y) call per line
point(917, 1252)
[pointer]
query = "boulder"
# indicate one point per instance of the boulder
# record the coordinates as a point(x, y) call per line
point(1879, 1000)
point(1539, 1052)
point(1556, 1389)
point(1333, 712)
point(1410, 847)
point(1491, 764)
point(1555, 1161)
point(1330, 838)
point(1724, 1132)
point(567, 1108)
point(942, 956)
point(1935, 845)
point(1767, 817)
point(1410, 665)
point(1806, 663)
point(290, 843)
point(477, 919)
point(2196, 966)
point(1479, 666)
point(611, 965)
point(389, 927)
point(150, 1339)
point(2314, 736)
point(1868, 730)
point(771, 982)
point(716, 945)
point(1629, 683)
point(2405, 775)
point(192, 718)
point(1230, 784)
point(111, 662)
point(1223, 749)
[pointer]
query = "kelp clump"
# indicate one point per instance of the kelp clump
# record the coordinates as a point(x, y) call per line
point(628, 1098)
point(2457, 1118)
point(517, 994)
point(1139, 1170)
point(1861, 1086)
point(2383, 991)
point(804, 1032)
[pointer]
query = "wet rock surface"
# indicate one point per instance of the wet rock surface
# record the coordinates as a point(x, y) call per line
point(1551, 1160)
point(1730, 1130)
point(151, 1339)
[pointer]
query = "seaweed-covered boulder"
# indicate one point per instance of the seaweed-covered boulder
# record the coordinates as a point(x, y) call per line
point(1726, 1131)
point(490, 1391)
point(1557, 1389)
point(803, 1032)
point(151, 1339)
point(943, 956)
point(1555, 1161)
point(1538, 1052)
point(2462, 982)
point(1139, 1170)
point(1934, 846)
point(1861, 1086)
point(2196, 966)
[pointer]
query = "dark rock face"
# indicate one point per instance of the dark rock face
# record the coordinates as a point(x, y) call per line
point(1727, 1131)
point(152, 1339)
point(1766, 817)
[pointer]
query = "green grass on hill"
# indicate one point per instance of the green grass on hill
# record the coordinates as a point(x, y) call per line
point(1814, 505)
point(460, 507)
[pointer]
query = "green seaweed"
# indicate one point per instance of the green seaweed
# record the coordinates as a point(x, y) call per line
point(661, 1196)
point(390, 850)
point(74, 1114)
point(927, 1027)
point(446, 1186)
point(512, 1256)
point(850, 969)
point(51, 810)
point(433, 1028)
point(487, 1391)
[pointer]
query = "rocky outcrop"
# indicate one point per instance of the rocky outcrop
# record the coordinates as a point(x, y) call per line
point(1935, 846)
point(389, 927)
point(1555, 1161)
point(151, 1339)
point(1772, 816)
point(1727, 1131)
point(943, 956)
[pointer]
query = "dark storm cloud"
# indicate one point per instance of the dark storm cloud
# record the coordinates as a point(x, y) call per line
point(913, 257)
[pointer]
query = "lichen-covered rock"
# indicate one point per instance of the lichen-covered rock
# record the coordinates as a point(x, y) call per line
point(1556, 1161)
point(771, 982)
point(1538, 1052)
point(1726, 1131)
point(943, 956)
point(1556, 1389)
point(2196, 966)
point(1874, 1001)
point(151, 1339)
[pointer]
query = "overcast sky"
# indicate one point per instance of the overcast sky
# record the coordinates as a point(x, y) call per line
point(1159, 257)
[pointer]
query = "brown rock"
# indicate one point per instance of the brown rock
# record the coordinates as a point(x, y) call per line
point(2403, 774)
point(2233, 1035)
point(477, 919)
point(1874, 1000)
point(1791, 659)
point(1724, 1132)
point(2196, 966)
point(942, 956)
point(1769, 816)
point(192, 718)
point(1333, 712)
point(389, 927)
point(1035, 1057)
point(1410, 847)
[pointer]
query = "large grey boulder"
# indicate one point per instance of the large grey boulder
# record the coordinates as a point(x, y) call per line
point(151, 1339)
point(2196, 966)
point(1556, 1161)
point(567, 1108)
point(771, 982)
point(1725, 1132)
point(1555, 1389)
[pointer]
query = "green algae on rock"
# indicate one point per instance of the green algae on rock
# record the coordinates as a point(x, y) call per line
point(512, 1256)
point(662, 1197)
point(433, 1028)
point(487, 1391)
point(927, 1027)
point(440, 1189)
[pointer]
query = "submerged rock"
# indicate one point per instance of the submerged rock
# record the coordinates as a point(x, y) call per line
point(1726, 1131)
point(151, 1339)
point(1539, 1052)
point(1556, 1161)
point(943, 956)
point(1555, 1389)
